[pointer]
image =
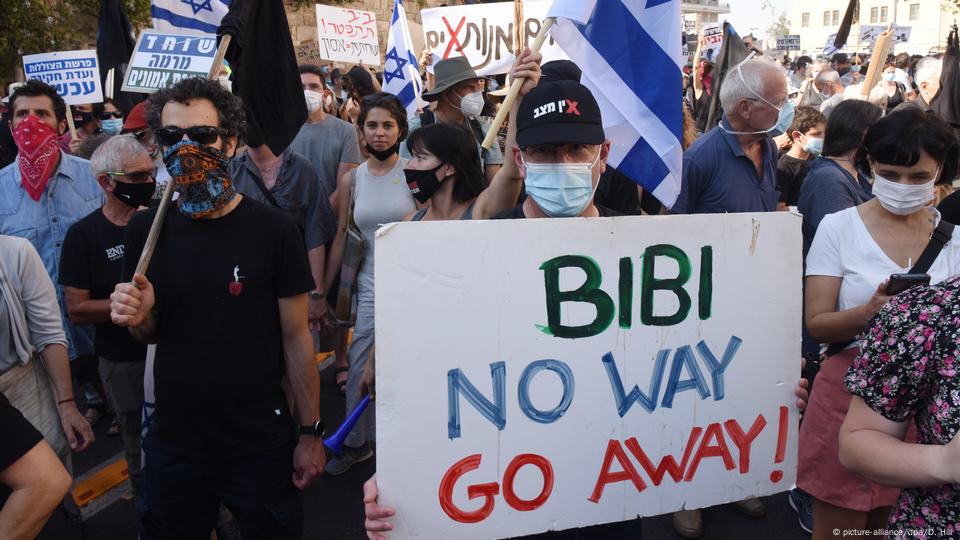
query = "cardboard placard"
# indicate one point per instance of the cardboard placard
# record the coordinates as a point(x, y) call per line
point(75, 75)
point(789, 43)
point(161, 58)
point(869, 33)
point(348, 35)
point(308, 52)
point(713, 34)
point(558, 373)
point(484, 33)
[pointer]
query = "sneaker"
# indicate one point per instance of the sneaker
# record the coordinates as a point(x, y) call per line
point(688, 523)
point(802, 503)
point(347, 458)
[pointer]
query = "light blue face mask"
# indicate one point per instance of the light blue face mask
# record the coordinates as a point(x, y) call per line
point(111, 126)
point(560, 189)
point(814, 145)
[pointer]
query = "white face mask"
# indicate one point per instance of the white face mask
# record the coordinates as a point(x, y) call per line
point(471, 104)
point(314, 100)
point(903, 199)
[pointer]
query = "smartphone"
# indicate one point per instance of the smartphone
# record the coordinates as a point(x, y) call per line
point(901, 282)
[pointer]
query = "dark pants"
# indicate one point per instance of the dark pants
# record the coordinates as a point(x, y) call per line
point(183, 495)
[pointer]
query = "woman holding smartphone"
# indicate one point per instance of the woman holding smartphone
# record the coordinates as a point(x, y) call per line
point(853, 255)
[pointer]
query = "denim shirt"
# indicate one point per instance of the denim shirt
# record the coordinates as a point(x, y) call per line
point(70, 195)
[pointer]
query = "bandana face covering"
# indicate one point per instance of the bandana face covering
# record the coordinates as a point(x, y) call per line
point(37, 143)
point(203, 185)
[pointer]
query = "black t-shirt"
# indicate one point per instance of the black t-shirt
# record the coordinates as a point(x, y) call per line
point(617, 192)
point(92, 259)
point(790, 174)
point(950, 208)
point(19, 437)
point(517, 212)
point(219, 356)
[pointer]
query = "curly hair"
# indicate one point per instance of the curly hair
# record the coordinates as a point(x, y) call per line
point(387, 102)
point(229, 107)
point(35, 88)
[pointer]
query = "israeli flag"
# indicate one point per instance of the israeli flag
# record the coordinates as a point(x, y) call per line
point(401, 74)
point(629, 51)
point(197, 15)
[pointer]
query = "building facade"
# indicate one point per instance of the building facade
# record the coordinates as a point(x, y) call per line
point(816, 20)
point(697, 13)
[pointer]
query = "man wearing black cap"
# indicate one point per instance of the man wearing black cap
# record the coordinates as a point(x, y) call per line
point(458, 91)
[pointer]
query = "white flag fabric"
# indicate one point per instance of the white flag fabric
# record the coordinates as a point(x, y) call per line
point(401, 73)
point(197, 15)
point(629, 51)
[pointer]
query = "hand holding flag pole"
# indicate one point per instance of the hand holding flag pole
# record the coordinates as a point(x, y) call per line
point(515, 87)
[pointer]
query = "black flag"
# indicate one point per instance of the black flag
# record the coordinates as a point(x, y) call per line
point(265, 73)
point(946, 104)
point(731, 53)
point(115, 43)
point(844, 32)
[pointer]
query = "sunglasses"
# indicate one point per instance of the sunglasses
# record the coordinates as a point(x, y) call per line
point(137, 177)
point(109, 115)
point(170, 136)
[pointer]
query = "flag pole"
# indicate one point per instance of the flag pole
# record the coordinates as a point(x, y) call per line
point(158, 220)
point(515, 87)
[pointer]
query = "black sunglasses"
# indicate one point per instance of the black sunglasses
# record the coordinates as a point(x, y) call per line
point(109, 115)
point(170, 136)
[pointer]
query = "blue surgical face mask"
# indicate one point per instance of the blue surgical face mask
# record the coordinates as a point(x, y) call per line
point(111, 126)
point(560, 189)
point(889, 76)
point(814, 145)
point(855, 68)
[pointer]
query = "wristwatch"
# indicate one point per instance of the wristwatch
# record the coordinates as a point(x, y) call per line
point(316, 430)
point(315, 295)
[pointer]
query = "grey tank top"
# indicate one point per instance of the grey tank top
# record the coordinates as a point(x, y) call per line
point(468, 215)
point(379, 200)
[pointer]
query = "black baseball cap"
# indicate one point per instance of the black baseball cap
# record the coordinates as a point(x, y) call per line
point(559, 112)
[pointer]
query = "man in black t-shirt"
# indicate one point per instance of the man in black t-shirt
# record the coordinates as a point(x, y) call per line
point(226, 304)
point(90, 266)
point(806, 143)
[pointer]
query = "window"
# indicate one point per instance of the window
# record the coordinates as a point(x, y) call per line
point(805, 20)
point(914, 12)
point(873, 14)
point(883, 14)
point(836, 18)
point(826, 18)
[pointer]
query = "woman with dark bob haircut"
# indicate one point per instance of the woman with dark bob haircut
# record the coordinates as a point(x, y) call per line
point(854, 474)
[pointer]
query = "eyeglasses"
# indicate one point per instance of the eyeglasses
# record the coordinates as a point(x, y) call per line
point(112, 114)
point(169, 136)
point(137, 176)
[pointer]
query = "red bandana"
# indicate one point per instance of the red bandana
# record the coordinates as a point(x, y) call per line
point(37, 143)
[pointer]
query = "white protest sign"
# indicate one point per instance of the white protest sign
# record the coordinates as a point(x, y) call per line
point(75, 75)
point(348, 35)
point(869, 33)
point(161, 58)
point(557, 373)
point(484, 34)
point(713, 36)
point(789, 43)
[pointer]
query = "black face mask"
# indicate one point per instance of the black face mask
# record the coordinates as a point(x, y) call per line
point(384, 155)
point(135, 195)
point(423, 184)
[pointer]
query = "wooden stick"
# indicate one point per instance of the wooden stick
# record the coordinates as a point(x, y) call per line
point(877, 61)
point(515, 87)
point(151, 244)
point(70, 124)
point(108, 83)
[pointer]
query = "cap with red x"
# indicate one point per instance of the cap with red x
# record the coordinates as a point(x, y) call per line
point(559, 112)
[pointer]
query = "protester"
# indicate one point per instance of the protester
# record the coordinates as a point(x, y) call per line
point(329, 143)
point(229, 317)
point(91, 265)
point(927, 80)
point(42, 194)
point(895, 89)
point(949, 207)
point(800, 72)
point(111, 118)
point(90, 144)
point(702, 86)
point(833, 181)
point(734, 168)
point(358, 83)
point(136, 124)
point(806, 138)
point(458, 93)
point(336, 86)
point(854, 73)
point(853, 255)
point(86, 120)
point(34, 480)
point(831, 88)
point(824, 85)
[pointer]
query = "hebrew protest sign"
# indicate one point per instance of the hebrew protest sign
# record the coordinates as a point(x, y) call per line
point(484, 33)
point(348, 35)
point(558, 373)
point(74, 74)
point(869, 33)
point(161, 58)
point(713, 37)
point(789, 43)
point(308, 52)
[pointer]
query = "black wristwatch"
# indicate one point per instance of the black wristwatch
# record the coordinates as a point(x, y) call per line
point(315, 295)
point(316, 430)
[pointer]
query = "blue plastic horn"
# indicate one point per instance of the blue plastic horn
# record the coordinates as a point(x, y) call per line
point(335, 441)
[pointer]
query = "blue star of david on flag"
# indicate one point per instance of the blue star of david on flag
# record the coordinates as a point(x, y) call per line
point(198, 5)
point(397, 72)
point(192, 15)
point(401, 74)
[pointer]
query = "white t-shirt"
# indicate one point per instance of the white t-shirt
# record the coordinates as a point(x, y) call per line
point(844, 248)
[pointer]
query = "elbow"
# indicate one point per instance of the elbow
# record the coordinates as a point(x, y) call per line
point(846, 452)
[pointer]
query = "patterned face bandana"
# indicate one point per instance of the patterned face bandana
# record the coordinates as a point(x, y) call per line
point(203, 184)
point(39, 151)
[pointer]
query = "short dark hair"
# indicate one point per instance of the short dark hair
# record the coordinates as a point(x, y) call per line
point(360, 82)
point(902, 61)
point(804, 61)
point(387, 102)
point(847, 123)
point(805, 119)
point(840, 58)
point(457, 145)
point(35, 88)
point(313, 69)
point(336, 74)
point(900, 137)
point(229, 107)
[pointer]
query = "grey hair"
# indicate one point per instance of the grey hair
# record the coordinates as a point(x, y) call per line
point(827, 76)
point(928, 68)
point(749, 86)
point(109, 156)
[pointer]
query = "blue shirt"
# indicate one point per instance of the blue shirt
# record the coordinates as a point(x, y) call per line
point(718, 177)
point(71, 194)
point(827, 189)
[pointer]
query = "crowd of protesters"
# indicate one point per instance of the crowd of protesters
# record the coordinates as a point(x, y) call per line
point(205, 362)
